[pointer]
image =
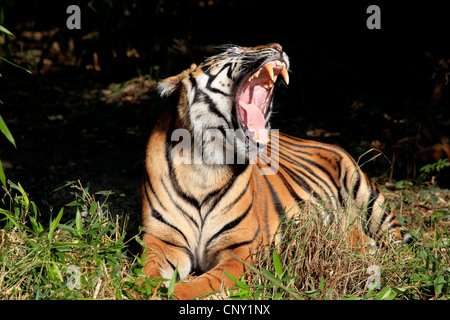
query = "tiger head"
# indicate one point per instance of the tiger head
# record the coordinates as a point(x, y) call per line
point(231, 90)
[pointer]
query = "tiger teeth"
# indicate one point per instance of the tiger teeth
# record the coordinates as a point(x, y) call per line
point(256, 75)
point(270, 84)
point(269, 69)
point(285, 73)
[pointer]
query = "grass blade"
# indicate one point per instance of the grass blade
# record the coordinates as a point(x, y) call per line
point(4, 128)
point(78, 220)
point(173, 281)
point(15, 65)
point(55, 223)
point(2, 175)
point(3, 29)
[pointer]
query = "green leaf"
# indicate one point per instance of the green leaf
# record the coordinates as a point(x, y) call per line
point(15, 65)
point(386, 294)
point(277, 263)
point(57, 272)
point(19, 188)
point(37, 226)
point(2, 175)
point(439, 284)
point(311, 293)
point(139, 272)
point(239, 283)
point(3, 29)
point(78, 220)
point(55, 223)
point(173, 281)
point(24, 194)
point(269, 275)
point(105, 193)
point(93, 208)
point(73, 204)
point(322, 283)
point(4, 129)
point(350, 298)
point(11, 218)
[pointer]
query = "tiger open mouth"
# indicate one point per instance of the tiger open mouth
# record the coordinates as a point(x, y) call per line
point(253, 98)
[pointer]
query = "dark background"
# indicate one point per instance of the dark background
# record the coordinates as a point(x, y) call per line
point(79, 116)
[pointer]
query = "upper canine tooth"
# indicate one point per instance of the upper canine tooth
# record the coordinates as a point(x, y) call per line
point(269, 69)
point(285, 74)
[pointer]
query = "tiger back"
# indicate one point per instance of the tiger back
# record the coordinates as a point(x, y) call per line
point(219, 181)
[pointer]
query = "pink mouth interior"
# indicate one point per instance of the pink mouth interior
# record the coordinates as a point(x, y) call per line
point(253, 102)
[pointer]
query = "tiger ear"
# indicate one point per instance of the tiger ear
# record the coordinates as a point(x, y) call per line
point(169, 85)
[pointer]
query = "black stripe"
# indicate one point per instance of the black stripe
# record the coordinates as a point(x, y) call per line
point(171, 264)
point(276, 200)
point(394, 225)
point(160, 218)
point(300, 182)
point(200, 95)
point(240, 244)
point(176, 204)
point(290, 189)
point(172, 244)
point(384, 217)
point(374, 194)
point(230, 225)
point(278, 207)
point(219, 194)
point(165, 241)
point(324, 147)
point(213, 109)
point(157, 215)
point(310, 171)
point(148, 182)
point(212, 78)
point(172, 175)
point(194, 87)
point(356, 185)
point(230, 205)
point(173, 268)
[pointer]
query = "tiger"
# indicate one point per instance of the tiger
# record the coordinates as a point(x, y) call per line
point(207, 217)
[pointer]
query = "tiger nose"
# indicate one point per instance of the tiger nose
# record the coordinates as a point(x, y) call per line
point(277, 47)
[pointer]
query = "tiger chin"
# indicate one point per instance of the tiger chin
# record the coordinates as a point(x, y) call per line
point(218, 180)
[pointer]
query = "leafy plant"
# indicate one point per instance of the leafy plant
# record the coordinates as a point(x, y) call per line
point(3, 127)
point(84, 257)
point(433, 170)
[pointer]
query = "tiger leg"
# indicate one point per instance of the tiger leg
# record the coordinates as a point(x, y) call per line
point(161, 259)
point(361, 242)
point(215, 279)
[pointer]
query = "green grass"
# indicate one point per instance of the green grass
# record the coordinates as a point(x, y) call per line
point(81, 252)
point(83, 258)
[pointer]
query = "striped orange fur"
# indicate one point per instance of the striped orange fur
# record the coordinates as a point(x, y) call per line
point(197, 217)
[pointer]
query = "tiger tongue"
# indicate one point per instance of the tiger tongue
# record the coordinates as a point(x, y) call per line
point(255, 122)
